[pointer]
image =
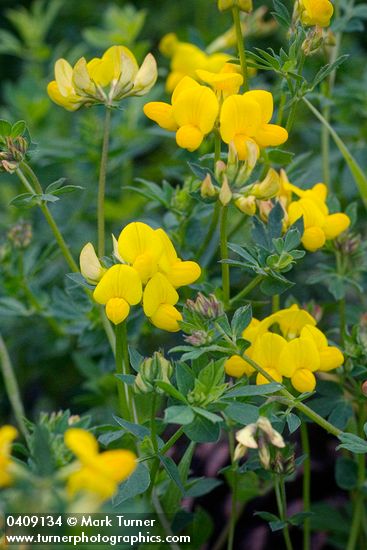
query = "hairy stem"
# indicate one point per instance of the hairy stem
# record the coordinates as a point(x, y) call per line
point(122, 368)
point(240, 45)
point(102, 183)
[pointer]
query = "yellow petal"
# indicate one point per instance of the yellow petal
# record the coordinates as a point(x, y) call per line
point(239, 116)
point(63, 77)
point(189, 137)
point(310, 331)
point(316, 12)
point(117, 309)
point(267, 350)
point(313, 238)
point(265, 101)
point(291, 320)
point(117, 464)
point(183, 273)
point(197, 107)
point(300, 353)
point(330, 358)
point(335, 224)
point(81, 78)
point(146, 76)
point(136, 239)
point(271, 135)
point(166, 317)
point(101, 71)
point(312, 215)
point(7, 436)
point(157, 292)
point(229, 82)
point(71, 102)
point(251, 332)
point(303, 380)
point(119, 281)
point(82, 443)
point(185, 83)
point(275, 374)
point(242, 145)
point(89, 481)
point(161, 113)
point(236, 366)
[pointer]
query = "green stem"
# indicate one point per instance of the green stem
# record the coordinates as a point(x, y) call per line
point(37, 189)
point(12, 388)
point(217, 147)
point(275, 303)
point(252, 284)
point(224, 256)
point(153, 432)
point(122, 368)
point(233, 517)
point(306, 485)
point(166, 447)
point(292, 112)
point(357, 172)
point(358, 511)
point(210, 233)
point(240, 45)
point(282, 509)
point(102, 183)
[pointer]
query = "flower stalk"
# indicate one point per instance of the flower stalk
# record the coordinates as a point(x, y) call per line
point(102, 183)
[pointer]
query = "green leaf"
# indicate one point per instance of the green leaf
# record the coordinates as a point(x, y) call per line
point(352, 443)
point(179, 414)
point(5, 128)
point(208, 415)
point(136, 484)
point(341, 414)
point(18, 129)
point(173, 472)
point(243, 413)
point(135, 429)
point(293, 422)
point(251, 390)
point(171, 390)
point(202, 486)
point(346, 473)
point(172, 497)
point(24, 200)
point(241, 319)
point(202, 430)
point(277, 156)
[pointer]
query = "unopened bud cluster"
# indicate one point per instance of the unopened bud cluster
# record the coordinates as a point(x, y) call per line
point(207, 306)
point(20, 235)
point(12, 153)
point(152, 370)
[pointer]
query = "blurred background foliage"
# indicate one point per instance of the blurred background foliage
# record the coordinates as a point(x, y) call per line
point(61, 359)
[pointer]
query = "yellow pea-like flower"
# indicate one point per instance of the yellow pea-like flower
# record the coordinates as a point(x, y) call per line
point(268, 134)
point(267, 351)
point(107, 80)
point(97, 473)
point(140, 246)
point(316, 12)
point(225, 82)
point(292, 320)
point(119, 288)
point(7, 436)
point(159, 299)
point(330, 356)
point(192, 114)
point(299, 355)
point(178, 272)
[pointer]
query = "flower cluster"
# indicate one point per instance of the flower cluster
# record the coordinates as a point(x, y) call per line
point(7, 436)
point(244, 119)
point(96, 473)
point(149, 271)
point(186, 59)
point(106, 80)
point(319, 225)
point(296, 352)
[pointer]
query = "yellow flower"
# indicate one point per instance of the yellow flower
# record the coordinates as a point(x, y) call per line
point(192, 114)
point(7, 435)
point(98, 473)
point(316, 12)
point(298, 361)
point(140, 246)
point(225, 82)
point(159, 299)
point(292, 320)
point(330, 356)
point(90, 266)
point(245, 118)
point(267, 350)
point(108, 79)
point(177, 272)
point(319, 225)
point(119, 288)
point(187, 58)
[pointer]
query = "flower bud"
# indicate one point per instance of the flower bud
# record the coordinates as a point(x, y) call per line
point(207, 189)
point(90, 266)
point(225, 194)
point(247, 205)
point(267, 188)
point(208, 307)
point(151, 370)
point(20, 234)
